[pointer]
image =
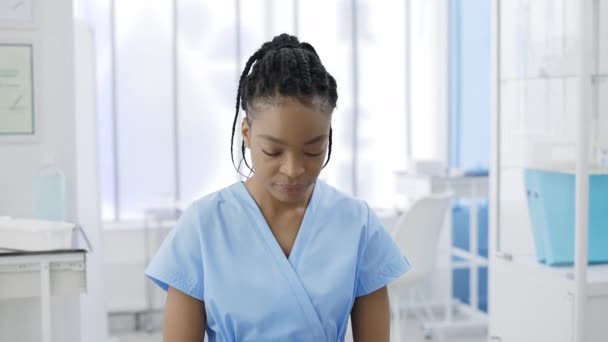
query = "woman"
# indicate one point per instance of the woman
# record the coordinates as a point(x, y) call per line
point(282, 256)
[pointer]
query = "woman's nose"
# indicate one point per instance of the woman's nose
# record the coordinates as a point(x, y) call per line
point(292, 167)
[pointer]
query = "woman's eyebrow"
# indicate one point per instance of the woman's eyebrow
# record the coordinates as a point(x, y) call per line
point(283, 142)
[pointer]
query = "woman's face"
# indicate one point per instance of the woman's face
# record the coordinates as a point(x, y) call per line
point(288, 142)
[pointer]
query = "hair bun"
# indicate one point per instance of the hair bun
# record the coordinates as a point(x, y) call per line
point(283, 40)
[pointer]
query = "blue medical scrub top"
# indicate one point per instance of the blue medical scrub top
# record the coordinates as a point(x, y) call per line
point(223, 252)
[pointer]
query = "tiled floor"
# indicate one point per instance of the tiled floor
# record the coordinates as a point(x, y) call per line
point(410, 333)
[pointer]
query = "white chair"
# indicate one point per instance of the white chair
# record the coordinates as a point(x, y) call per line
point(416, 233)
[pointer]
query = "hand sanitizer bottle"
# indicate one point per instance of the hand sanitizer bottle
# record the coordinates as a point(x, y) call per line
point(49, 191)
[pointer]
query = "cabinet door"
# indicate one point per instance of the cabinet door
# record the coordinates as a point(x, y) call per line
point(536, 106)
point(528, 304)
point(597, 311)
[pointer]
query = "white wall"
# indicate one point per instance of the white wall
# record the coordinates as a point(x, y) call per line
point(54, 73)
point(54, 112)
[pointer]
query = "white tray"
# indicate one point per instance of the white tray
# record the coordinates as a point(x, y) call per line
point(37, 235)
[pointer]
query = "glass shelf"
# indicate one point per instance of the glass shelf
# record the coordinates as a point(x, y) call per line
point(596, 78)
point(597, 275)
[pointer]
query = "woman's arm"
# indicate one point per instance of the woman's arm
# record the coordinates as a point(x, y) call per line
point(185, 317)
point(370, 317)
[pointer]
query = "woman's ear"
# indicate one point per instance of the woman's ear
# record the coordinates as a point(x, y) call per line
point(246, 131)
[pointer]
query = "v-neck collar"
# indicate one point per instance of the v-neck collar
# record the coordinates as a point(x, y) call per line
point(264, 228)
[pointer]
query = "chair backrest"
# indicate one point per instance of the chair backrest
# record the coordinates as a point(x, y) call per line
point(417, 232)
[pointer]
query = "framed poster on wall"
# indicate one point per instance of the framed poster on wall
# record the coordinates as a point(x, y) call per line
point(17, 110)
point(18, 14)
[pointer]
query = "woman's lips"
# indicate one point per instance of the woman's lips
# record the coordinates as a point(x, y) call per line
point(292, 188)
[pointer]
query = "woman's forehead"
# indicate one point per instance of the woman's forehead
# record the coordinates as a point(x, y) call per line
point(290, 121)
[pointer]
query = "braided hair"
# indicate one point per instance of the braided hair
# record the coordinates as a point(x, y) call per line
point(284, 67)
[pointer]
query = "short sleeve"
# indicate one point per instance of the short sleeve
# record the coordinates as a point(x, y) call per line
point(178, 262)
point(380, 260)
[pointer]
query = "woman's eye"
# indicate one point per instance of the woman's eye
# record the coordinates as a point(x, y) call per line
point(271, 154)
point(314, 154)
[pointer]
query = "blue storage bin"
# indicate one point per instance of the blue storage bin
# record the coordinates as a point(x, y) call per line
point(550, 197)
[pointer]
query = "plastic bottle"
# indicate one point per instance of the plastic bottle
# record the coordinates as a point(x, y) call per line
point(49, 191)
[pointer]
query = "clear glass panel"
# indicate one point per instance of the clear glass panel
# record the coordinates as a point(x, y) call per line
point(382, 75)
point(600, 126)
point(537, 113)
point(333, 42)
point(513, 214)
point(208, 79)
point(144, 104)
point(537, 39)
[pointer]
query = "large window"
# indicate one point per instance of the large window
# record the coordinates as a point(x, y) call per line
point(167, 78)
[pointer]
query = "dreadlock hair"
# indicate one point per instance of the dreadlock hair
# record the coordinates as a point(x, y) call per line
point(284, 67)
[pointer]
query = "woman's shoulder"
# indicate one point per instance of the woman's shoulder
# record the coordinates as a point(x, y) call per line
point(208, 204)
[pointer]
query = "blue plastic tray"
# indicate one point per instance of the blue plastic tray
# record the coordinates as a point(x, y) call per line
point(551, 206)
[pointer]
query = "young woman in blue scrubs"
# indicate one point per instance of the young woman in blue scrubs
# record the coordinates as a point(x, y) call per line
point(282, 256)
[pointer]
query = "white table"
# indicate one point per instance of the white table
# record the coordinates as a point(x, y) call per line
point(46, 275)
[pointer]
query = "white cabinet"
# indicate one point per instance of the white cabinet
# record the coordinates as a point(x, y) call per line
point(534, 302)
point(540, 94)
point(40, 295)
point(529, 303)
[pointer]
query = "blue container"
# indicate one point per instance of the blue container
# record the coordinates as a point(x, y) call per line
point(551, 206)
